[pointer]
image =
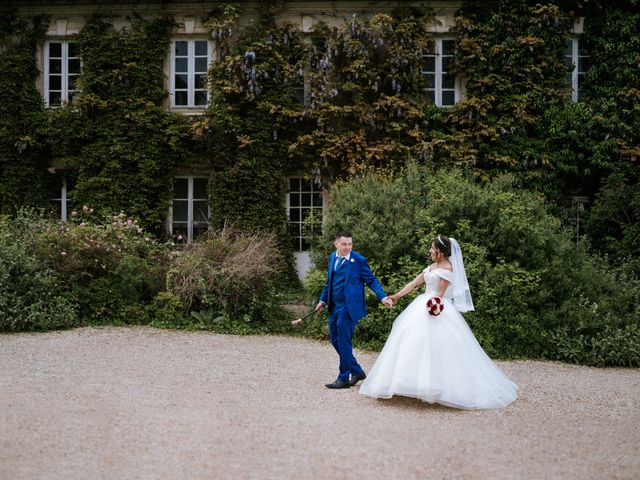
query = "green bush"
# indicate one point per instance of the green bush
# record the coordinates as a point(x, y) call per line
point(90, 270)
point(314, 283)
point(110, 267)
point(613, 223)
point(29, 294)
point(230, 274)
point(525, 271)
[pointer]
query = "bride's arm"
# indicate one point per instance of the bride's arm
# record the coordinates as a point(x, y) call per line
point(419, 280)
point(442, 287)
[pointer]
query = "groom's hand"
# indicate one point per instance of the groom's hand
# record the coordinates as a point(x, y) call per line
point(320, 306)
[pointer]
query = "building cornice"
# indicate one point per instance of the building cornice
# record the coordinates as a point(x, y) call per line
point(306, 7)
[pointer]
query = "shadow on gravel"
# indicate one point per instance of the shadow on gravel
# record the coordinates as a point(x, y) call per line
point(406, 403)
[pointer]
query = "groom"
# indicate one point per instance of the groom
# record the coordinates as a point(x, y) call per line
point(344, 295)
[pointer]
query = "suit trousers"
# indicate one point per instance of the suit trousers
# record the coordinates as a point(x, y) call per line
point(341, 328)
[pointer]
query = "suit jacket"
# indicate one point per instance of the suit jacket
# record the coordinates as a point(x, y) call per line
point(358, 275)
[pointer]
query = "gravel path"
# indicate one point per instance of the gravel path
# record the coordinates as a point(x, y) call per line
point(140, 403)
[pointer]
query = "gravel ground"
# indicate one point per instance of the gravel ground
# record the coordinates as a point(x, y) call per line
point(140, 403)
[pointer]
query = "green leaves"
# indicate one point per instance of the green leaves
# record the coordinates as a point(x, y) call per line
point(529, 280)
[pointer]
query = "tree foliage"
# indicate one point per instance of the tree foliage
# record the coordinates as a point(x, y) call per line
point(535, 293)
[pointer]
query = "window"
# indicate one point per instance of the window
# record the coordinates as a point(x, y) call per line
point(579, 204)
point(59, 187)
point(576, 59)
point(442, 83)
point(61, 70)
point(304, 200)
point(190, 208)
point(190, 61)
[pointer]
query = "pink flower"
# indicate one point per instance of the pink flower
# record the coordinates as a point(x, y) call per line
point(63, 253)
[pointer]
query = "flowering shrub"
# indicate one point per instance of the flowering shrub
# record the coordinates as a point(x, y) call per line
point(109, 270)
point(28, 293)
point(82, 249)
point(108, 267)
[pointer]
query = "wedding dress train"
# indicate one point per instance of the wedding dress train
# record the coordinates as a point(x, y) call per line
point(437, 359)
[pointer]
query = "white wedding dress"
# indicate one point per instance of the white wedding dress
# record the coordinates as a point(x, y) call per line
point(437, 359)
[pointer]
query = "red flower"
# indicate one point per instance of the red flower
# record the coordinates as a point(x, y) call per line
point(435, 306)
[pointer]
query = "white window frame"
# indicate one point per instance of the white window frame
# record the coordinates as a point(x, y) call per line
point(315, 189)
point(62, 199)
point(580, 203)
point(190, 199)
point(191, 73)
point(437, 88)
point(64, 74)
point(576, 60)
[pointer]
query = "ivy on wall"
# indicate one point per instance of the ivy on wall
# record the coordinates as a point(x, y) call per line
point(128, 146)
point(613, 91)
point(251, 118)
point(366, 93)
point(22, 165)
point(512, 61)
point(334, 104)
point(517, 115)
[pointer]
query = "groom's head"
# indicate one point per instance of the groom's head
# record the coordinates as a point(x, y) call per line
point(343, 243)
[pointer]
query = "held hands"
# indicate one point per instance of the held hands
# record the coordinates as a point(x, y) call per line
point(388, 301)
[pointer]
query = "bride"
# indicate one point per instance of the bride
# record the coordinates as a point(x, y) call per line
point(436, 358)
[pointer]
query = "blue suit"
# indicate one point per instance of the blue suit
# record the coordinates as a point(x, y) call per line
point(344, 295)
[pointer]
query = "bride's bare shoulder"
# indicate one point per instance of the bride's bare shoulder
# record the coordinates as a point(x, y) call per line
point(446, 265)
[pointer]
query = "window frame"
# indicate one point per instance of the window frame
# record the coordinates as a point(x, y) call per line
point(438, 73)
point(190, 209)
point(315, 188)
point(64, 71)
point(63, 198)
point(191, 73)
point(575, 60)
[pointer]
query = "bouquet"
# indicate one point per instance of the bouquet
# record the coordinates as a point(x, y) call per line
point(435, 306)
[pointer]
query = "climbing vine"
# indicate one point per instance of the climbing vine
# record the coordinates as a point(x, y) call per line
point(22, 164)
point(366, 93)
point(512, 61)
point(128, 146)
point(517, 115)
point(332, 103)
point(251, 119)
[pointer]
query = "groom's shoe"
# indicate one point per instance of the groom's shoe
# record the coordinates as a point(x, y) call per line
point(338, 384)
point(356, 378)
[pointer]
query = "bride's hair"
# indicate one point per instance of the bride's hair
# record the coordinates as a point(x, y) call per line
point(443, 245)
